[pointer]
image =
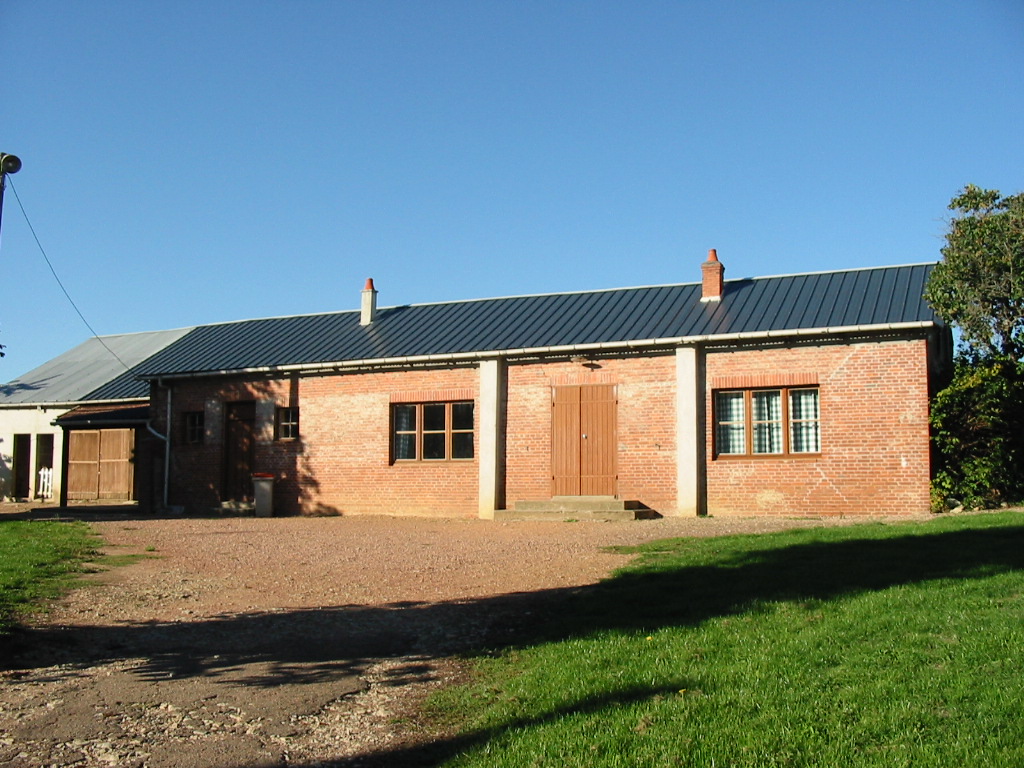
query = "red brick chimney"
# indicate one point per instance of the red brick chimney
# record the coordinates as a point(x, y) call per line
point(713, 273)
point(368, 309)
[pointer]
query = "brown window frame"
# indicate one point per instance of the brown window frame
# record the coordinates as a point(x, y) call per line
point(418, 432)
point(785, 421)
point(193, 430)
point(286, 423)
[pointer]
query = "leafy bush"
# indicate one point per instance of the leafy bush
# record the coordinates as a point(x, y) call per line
point(978, 427)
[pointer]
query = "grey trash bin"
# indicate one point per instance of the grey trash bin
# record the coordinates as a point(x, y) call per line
point(263, 493)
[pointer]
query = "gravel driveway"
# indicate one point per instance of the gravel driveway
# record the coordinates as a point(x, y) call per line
point(243, 642)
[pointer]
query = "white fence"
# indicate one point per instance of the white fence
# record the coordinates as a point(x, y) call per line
point(45, 488)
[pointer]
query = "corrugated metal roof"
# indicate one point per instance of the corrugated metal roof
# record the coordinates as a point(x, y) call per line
point(864, 297)
point(89, 372)
point(105, 415)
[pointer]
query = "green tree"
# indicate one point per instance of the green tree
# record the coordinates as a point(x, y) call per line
point(979, 284)
point(978, 429)
point(978, 420)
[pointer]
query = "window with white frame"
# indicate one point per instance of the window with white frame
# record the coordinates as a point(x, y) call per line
point(432, 431)
point(286, 423)
point(767, 422)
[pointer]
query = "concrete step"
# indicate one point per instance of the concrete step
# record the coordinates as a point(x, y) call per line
point(604, 508)
point(569, 503)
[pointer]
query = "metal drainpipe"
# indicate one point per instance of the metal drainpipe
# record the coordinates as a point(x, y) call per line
point(167, 441)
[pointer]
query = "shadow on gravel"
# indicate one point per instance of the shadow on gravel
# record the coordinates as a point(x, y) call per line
point(303, 647)
point(815, 570)
point(269, 649)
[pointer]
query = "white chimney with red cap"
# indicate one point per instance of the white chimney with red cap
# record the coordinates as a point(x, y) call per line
point(369, 304)
point(713, 272)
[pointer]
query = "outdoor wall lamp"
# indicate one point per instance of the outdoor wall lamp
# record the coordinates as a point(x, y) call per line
point(8, 164)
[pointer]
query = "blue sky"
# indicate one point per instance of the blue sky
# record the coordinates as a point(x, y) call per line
point(192, 162)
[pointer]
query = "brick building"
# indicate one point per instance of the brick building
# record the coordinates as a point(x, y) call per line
point(75, 427)
point(791, 395)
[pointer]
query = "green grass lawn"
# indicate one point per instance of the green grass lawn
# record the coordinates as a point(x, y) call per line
point(872, 645)
point(38, 559)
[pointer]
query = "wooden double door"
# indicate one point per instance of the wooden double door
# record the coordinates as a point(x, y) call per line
point(101, 464)
point(583, 440)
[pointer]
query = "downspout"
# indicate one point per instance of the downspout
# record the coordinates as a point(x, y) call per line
point(166, 440)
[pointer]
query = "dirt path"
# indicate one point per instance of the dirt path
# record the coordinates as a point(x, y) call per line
point(244, 642)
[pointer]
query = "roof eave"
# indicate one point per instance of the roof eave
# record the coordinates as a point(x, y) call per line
point(84, 423)
point(76, 403)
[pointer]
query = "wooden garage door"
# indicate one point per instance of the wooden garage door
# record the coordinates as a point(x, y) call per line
point(100, 464)
point(583, 440)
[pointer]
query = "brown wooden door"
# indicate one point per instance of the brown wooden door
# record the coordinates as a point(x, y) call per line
point(239, 451)
point(116, 470)
point(83, 464)
point(100, 464)
point(583, 440)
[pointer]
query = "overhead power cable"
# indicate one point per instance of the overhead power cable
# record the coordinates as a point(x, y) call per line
point(59, 281)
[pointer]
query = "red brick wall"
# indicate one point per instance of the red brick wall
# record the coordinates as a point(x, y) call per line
point(197, 471)
point(346, 428)
point(341, 463)
point(874, 433)
point(874, 422)
point(646, 426)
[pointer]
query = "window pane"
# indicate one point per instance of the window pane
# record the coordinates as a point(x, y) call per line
point(462, 415)
point(806, 437)
point(730, 431)
point(803, 404)
point(731, 438)
point(805, 431)
point(405, 446)
point(405, 418)
point(767, 406)
point(768, 437)
point(287, 423)
point(766, 409)
point(462, 445)
point(729, 406)
point(194, 427)
point(433, 445)
point(433, 417)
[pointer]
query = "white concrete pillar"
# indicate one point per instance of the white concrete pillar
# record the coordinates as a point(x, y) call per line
point(490, 426)
point(690, 442)
point(266, 410)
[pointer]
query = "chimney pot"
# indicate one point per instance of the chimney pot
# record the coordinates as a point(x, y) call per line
point(713, 277)
point(368, 308)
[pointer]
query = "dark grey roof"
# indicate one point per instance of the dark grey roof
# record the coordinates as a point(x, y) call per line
point(106, 415)
point(865, 297)
point(94, 370)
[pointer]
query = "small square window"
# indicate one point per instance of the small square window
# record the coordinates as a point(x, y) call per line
point(286, 424)
point(195, 427)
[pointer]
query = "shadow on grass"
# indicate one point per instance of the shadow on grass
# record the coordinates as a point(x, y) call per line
point(810, 569)
point(437, 752)
point(647, 599)
point(301, 647)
